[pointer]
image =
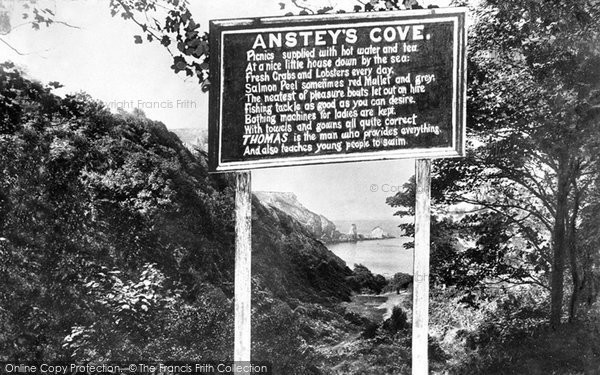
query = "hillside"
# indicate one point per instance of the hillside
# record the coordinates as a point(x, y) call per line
point(292, 262)
point(116, 243)
point(318, 225)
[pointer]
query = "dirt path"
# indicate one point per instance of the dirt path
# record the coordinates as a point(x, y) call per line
point(377, 307)
point(393, 299)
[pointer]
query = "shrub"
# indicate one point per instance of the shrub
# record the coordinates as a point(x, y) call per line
point(399, 281)
point(370, 330)
point(363, 280)
point(397, 322)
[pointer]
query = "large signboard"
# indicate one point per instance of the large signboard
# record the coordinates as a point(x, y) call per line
point(337, 88)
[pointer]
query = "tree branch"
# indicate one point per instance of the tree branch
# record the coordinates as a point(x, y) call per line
point(13, 48)
point(295, 2)
point(511, 219)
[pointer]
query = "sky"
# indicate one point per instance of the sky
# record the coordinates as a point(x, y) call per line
point(99, 57)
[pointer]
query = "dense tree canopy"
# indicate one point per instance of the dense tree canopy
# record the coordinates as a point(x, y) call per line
point(532, 160)
point(112, 206)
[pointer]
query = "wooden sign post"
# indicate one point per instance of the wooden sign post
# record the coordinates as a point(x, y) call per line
point(289, 91)
point(243, 269)
point(420, 313)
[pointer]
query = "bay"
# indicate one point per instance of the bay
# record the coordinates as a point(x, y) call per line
point(385, 257)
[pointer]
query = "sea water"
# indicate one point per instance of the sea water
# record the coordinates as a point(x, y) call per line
point(385, 257)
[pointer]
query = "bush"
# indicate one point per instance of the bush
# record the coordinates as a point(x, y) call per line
point(277, 336)
point(364, 281)
point(399, 281)
point(397, 322)
point(508, 333)
point(370, 330)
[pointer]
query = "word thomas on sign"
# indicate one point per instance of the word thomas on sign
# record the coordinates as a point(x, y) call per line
point(337, 88)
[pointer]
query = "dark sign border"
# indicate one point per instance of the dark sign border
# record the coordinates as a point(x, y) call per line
point(218, 28)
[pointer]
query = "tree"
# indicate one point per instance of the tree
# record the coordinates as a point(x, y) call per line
point(533, 106)
point(469, 252)
point(554, 50)
point(363, 280)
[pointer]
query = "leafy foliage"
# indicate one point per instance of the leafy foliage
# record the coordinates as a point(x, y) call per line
point(92, 200)
point(364, 281)
point(277, 336)
point(146, 319)
point(516, 199)
point(533, 94)
point(400, 281)
point(170, 23)
point(397, 322)
point(476, 251)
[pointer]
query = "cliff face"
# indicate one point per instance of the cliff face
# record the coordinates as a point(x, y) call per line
point(290, 262)
point(318, 225)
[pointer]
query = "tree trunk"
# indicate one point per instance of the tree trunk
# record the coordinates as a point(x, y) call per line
point(574, 296)
point(575, 277)
point(559, 244)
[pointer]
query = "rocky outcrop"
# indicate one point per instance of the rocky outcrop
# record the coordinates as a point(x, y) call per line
point(289, 261)
point(318, 225)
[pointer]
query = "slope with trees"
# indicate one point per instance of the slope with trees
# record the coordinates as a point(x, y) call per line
point(117, 245)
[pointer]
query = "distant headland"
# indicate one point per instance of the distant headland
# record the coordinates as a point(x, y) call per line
point(320, 227)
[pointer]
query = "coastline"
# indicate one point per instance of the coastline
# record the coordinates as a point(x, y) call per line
point(357, 240)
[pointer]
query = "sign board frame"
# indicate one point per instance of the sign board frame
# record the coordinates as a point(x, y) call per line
point(242, 342)
point(220, 28)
